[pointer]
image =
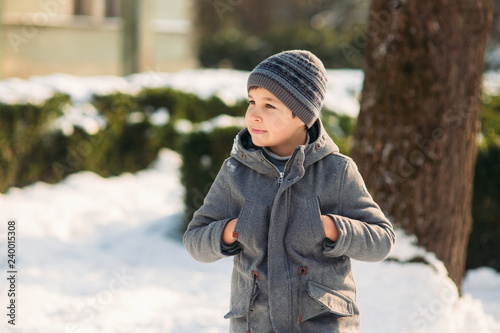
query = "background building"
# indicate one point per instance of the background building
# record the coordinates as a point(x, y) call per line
point(84, 37)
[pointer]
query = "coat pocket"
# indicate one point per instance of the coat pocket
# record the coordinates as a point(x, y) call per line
point(325, 300)
point(314, 221)
point(241, 307)
point(252, 227)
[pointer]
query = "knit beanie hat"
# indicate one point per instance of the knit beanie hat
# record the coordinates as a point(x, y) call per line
point(297, 78)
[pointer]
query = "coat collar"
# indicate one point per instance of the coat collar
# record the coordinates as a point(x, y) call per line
point(320, 145)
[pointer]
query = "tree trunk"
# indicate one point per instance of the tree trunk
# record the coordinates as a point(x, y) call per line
point(419, 121)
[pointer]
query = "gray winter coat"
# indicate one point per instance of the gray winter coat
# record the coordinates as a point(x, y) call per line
point(287, 276)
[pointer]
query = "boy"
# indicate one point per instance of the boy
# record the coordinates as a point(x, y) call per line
point(291, 210)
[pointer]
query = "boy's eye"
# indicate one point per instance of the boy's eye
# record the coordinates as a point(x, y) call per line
point(251, 102)
point(269, 106)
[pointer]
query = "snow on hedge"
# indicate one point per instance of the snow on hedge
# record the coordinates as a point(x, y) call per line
point(342, 96)
point(343, 89)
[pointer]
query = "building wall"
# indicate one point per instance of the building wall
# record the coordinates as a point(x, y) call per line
point(40, 37)
point(168, 36)
point(37, 6)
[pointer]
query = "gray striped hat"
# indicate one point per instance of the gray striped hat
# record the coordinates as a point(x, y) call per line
point(297, 78)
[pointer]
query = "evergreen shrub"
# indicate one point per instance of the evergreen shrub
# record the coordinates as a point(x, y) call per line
point(340, 128)
point(484, 240)
point(128, 143)
point(22, 127)
point(203, 154)
point(30, 150)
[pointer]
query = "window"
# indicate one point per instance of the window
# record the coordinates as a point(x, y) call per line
point(112, 8)
point(82, 7)
point(97, 8)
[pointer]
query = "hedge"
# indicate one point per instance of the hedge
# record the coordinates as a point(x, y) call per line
point(202, 155)
point(31, 151)
point(484, 239)
point(25, 141)
point(121, 146)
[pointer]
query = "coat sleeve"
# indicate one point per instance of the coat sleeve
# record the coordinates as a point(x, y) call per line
point(203, 237)
point(364, 231)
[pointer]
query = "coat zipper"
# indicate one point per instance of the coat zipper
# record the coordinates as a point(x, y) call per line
point(281, 174)
point(280, 179)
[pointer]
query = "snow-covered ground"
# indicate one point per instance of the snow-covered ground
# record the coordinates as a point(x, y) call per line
point(105, 255)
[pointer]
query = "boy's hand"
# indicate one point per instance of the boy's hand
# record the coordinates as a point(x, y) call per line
point(227, 235)
point(330, 227)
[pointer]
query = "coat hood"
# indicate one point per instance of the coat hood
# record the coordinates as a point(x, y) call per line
point(320, 145)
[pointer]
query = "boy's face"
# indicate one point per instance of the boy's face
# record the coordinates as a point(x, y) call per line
point(271, 124)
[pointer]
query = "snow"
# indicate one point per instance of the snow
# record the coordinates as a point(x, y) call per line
point(491, 81)
point(85, 115)
point(484, 283)
point(105, 255)
point(221, 121)
point(344, 86)
point(160, 117)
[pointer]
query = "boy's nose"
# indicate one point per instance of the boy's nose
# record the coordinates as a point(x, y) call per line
point(255, 115)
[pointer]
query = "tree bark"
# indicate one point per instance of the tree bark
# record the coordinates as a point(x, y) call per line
point(419, 121)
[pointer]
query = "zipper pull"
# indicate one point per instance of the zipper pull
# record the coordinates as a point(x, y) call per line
point(280, 179)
